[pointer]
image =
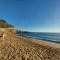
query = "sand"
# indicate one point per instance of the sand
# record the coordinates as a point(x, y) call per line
point(20, 48)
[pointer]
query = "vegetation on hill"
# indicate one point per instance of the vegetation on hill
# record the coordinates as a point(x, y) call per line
point(4, 24)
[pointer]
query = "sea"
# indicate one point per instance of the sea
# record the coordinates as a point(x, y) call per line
point(52, 37)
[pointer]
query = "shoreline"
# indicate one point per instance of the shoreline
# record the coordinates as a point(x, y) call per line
point(42, 42)
point(48, 40)
point(21, 48)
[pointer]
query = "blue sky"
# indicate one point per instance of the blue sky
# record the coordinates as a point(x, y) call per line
point(32, 15)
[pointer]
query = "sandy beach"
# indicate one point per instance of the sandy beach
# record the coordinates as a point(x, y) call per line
point(20, 48)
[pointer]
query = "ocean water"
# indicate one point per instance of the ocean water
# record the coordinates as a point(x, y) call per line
point(52, 37)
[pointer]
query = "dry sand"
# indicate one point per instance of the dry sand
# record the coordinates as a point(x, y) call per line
point(19, 48)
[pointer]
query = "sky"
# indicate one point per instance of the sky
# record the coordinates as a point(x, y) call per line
point(32, 15)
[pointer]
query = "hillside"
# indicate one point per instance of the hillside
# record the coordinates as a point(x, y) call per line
point(4, 24)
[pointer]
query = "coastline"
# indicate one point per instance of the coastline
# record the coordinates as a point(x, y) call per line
point(42, 42)
point(50, 37)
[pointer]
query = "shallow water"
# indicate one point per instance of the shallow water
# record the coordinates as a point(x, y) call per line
point(53, 37)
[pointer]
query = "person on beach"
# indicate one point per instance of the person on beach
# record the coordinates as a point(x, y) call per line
point(3, 36)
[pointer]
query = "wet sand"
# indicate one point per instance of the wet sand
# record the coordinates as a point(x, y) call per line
point(20, 48)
